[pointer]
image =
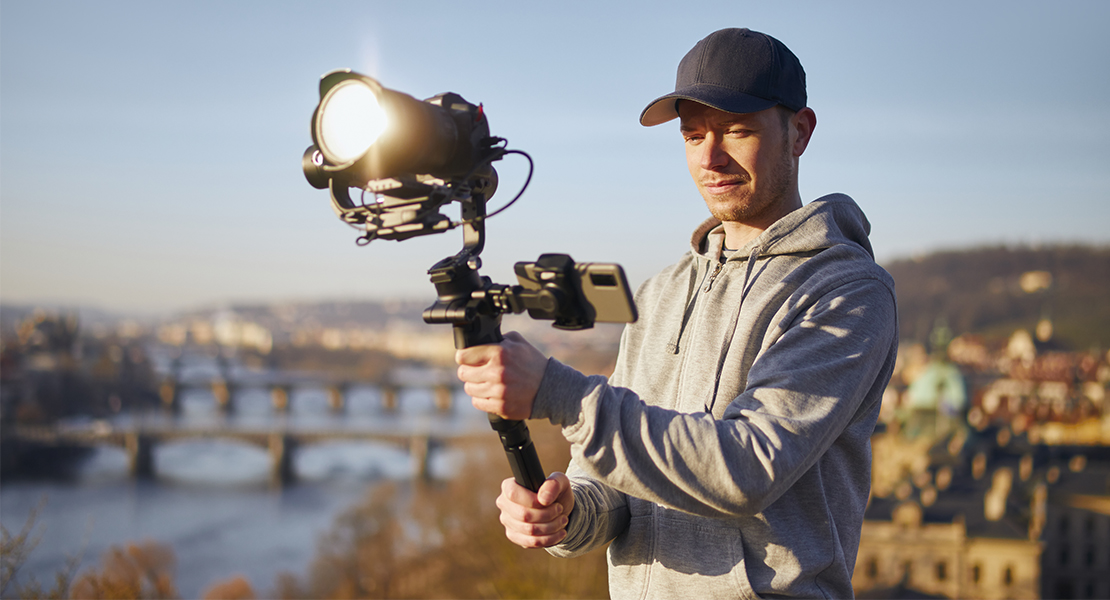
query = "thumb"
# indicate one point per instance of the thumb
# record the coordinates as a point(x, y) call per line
point(552, 488)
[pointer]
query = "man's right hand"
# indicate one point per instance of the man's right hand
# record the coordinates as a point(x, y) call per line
point(536, 519)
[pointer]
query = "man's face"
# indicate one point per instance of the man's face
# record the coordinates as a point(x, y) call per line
point(743, 164)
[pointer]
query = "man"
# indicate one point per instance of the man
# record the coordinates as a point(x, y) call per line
point(729, 454)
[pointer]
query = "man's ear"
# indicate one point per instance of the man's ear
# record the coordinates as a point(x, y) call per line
point(803, 123)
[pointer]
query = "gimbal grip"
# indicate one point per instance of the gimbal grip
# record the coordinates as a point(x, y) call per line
point(520, 451)
point(515, 437)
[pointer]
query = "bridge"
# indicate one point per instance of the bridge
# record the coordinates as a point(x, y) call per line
point(281, 387)
point(282, 433)
point(139, 442)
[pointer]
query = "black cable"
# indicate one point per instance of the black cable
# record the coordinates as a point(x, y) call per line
point(527, 180)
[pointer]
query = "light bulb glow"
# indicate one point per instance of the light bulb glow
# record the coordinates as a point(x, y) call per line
point(351, 120)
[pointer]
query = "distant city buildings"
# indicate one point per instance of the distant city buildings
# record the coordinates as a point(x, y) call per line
point(999, 492)
point(50, 368)
point(397, 332)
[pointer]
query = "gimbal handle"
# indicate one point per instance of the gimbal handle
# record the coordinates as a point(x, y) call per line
point(515, 437)
point(475, 315)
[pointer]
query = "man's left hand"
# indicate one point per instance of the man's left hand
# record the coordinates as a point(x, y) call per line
point(502, 379)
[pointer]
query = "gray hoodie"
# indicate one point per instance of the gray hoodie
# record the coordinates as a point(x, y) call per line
point(729, 454)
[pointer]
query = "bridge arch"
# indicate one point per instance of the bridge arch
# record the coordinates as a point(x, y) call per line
point(141, 444)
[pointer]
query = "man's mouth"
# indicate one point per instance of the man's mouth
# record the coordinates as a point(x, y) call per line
point(721, 186)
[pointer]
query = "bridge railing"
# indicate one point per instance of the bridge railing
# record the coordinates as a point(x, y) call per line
point(282, 393)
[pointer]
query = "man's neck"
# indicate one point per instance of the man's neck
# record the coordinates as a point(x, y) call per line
point(738, 234)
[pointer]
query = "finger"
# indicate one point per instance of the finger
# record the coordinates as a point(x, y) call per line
point(514, 411)
point(518, 494)
point(529, 542)
point(484, 389)
point(527, 523)
point(527, 516)
point(556, 489)
point(473, 373)
point(521, 496)
point(534, 535)
point(521, 503)
point(533, 521)
point(477, 355)
point(550, 490)
point(549, 531)
point(464, 357)
point(493, 406)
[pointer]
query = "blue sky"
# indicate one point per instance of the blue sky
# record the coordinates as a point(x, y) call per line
point(150, 151)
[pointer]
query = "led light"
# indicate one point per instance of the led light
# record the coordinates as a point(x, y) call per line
point(363, 132)
point(351, 121)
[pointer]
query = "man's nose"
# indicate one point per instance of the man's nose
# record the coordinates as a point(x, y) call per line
point(713, 154)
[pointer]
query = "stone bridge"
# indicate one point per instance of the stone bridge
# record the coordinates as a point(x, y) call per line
point(281, 444)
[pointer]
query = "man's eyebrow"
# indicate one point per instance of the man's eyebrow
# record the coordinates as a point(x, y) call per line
point(739, 121)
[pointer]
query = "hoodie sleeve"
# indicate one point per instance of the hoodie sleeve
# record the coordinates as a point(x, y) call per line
point(827, 369)
point(600, 514)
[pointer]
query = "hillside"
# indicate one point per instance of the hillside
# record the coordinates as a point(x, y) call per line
point(995, 290)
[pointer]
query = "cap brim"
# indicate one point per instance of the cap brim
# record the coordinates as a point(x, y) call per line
point(665, 108)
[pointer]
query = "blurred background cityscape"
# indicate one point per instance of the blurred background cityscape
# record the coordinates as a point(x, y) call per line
point(991, 475)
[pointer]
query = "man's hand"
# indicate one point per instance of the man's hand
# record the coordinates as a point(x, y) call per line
point(536, 520)
point(502, 379)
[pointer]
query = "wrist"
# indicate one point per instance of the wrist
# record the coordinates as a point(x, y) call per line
point(559, 397)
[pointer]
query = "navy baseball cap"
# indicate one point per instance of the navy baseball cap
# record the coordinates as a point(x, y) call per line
point(737, 71)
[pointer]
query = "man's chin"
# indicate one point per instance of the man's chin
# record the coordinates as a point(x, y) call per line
point(728, 212)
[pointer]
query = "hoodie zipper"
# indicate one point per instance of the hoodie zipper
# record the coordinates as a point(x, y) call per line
point(712, 276)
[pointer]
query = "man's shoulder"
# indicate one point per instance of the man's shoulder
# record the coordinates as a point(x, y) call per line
point(831, 271)
point(850, 262)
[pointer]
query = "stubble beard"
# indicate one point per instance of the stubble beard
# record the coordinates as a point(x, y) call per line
point(751, 204)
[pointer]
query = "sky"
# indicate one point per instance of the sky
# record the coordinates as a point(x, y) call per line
point(150, 151)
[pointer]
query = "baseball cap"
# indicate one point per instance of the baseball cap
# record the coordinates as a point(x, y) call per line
point(737, 71)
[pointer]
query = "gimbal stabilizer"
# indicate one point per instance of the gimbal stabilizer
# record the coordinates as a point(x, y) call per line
point(474, 305)
point(426, 155)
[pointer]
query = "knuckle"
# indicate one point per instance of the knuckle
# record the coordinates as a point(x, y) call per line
point(530, 542)
point(536, 530)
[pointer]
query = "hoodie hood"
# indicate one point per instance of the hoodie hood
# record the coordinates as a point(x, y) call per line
point(831, 221)
point(826, 222)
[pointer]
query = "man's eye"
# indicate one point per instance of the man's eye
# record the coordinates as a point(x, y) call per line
point(739, 132)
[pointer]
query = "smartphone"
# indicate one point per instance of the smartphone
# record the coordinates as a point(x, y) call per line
point(576, 295)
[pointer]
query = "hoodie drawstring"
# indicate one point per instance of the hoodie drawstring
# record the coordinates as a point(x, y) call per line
point(673, 345)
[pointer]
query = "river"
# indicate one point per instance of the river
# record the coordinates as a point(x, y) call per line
point(212, 501)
